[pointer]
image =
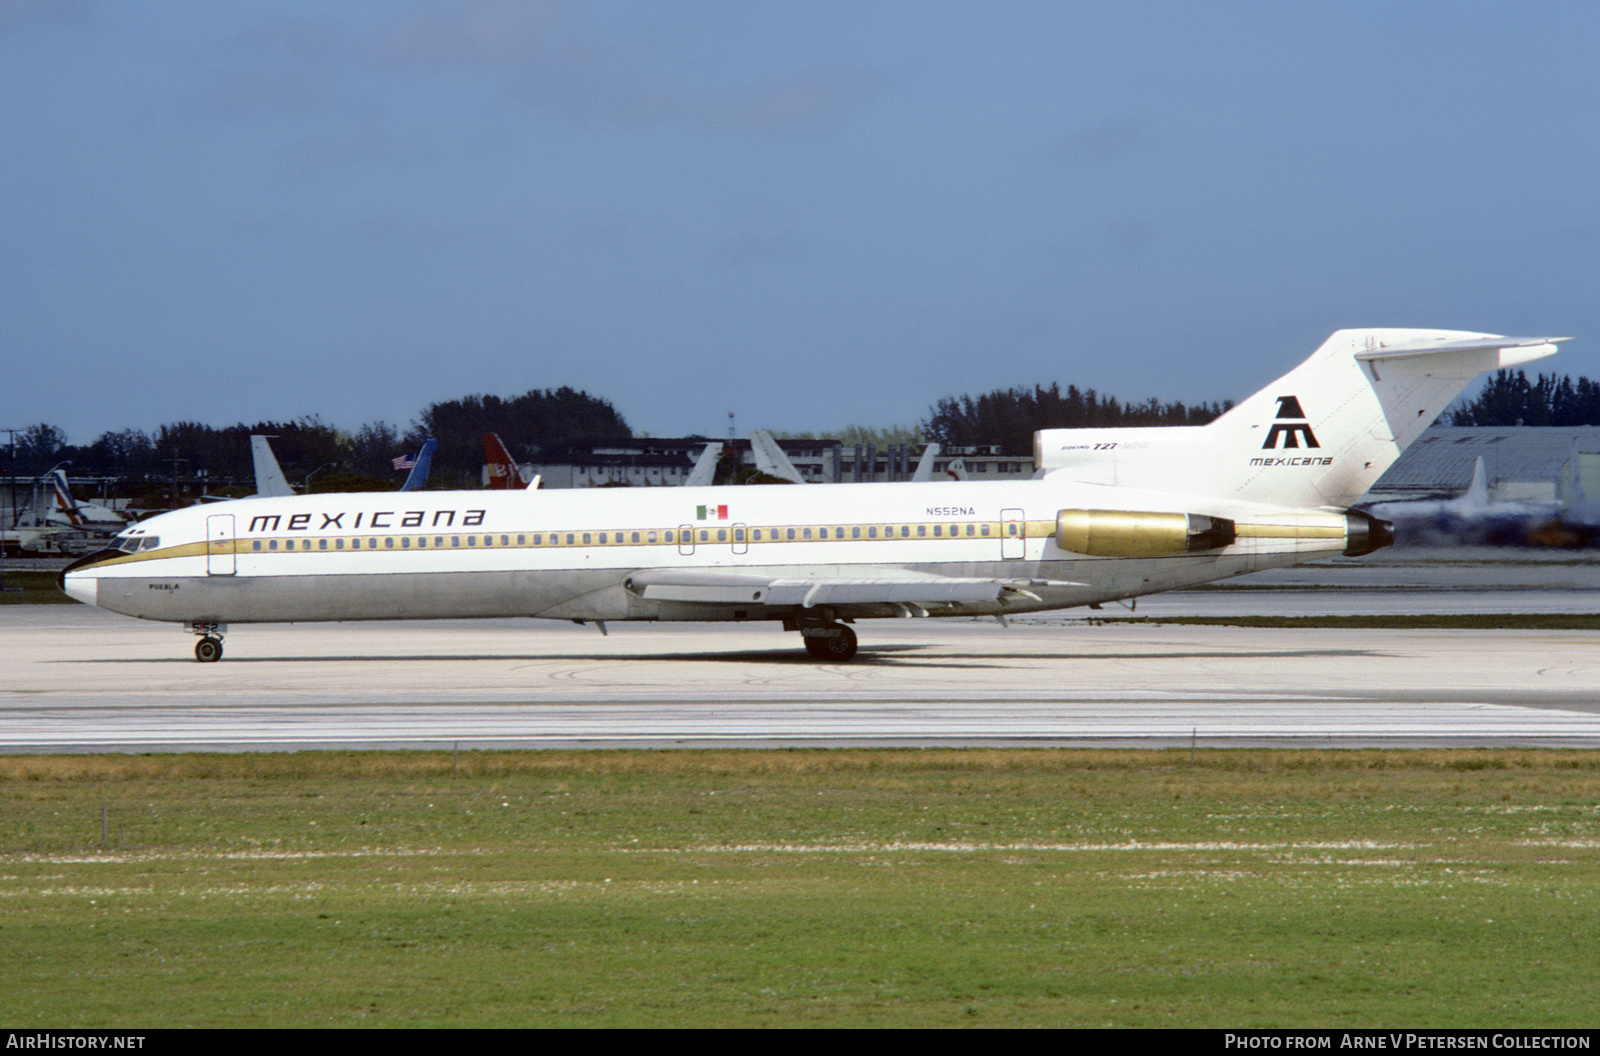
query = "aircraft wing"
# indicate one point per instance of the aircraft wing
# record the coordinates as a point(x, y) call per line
point(863, 586)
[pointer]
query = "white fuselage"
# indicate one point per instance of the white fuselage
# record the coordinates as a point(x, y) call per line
point(576, 554)
point(1116, 514)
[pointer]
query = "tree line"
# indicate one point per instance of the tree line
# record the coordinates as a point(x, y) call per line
point(329, 458)
point(1509, 398)
point(309, 449)
point(1010, 417)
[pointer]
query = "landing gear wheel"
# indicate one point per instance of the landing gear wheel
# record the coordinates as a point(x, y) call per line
point(208, 650)
point(837, 648)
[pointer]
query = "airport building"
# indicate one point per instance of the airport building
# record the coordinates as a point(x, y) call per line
point(1521, 464)
point(656, 462)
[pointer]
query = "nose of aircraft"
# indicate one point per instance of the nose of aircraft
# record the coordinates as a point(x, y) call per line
point(77, 583)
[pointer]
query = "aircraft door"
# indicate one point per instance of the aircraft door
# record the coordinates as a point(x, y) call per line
point(1013, 535)
point(219, 545)
point(686, 539)
point(741, 539)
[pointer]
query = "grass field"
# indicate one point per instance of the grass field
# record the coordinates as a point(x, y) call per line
point(841, 888)
point(32, 587)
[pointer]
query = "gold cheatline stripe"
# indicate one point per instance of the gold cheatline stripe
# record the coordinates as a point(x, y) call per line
point(1032, 530)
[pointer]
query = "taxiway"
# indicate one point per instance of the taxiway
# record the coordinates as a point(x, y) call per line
point(78, 679)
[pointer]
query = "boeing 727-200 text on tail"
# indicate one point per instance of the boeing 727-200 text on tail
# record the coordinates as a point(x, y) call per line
point(1111, 514)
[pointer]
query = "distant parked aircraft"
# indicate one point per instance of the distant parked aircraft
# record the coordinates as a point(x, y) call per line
point(270, 481)
point(504, 473)
point(418, 464)
point(70, 513)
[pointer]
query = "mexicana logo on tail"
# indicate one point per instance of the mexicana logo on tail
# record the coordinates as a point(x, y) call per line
point(1288, 428)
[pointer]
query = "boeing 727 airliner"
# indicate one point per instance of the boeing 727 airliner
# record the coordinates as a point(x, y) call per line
point(1111, 514)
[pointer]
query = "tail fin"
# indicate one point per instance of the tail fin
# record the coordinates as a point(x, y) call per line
point(503, 470)
point(705, 467)
point(770, 458)
point(1319, 436)
point(64, 500)
point(1323, 434)
point(419, 470)
point(1477, 493)
point(269, 475)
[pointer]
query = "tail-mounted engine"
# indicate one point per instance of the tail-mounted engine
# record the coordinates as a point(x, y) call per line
point(1139, 533)
point(1126, 533)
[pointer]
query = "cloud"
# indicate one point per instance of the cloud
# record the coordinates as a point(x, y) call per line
point(281, 67)
point(18, 16)
point(549, 54)
point(488, 34)
point(1103, 142)
point(762, 249)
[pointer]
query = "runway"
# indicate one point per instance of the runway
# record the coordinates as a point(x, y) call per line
point(78, 679)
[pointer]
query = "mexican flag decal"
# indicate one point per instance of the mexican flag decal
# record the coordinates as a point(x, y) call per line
point(708, 513)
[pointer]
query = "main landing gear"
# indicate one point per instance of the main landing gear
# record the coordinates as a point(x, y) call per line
point(830, 641)
point(208, 650)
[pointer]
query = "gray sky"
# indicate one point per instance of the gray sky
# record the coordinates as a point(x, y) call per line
point(812, 214)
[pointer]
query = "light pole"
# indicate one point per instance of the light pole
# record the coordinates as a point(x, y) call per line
point(314, 472)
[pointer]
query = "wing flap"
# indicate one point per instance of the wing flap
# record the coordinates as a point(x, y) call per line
point(705, 586)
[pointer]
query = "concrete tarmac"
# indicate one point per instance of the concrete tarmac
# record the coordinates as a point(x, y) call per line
point(78, 679)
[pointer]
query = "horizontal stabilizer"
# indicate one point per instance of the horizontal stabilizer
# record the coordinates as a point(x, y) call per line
point(1404, 350)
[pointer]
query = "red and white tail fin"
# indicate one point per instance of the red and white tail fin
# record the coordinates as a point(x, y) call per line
point(504, 472)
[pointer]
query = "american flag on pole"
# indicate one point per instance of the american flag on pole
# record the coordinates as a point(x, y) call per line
point(405, 462)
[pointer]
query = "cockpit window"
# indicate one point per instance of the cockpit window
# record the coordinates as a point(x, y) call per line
point(132, 544)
